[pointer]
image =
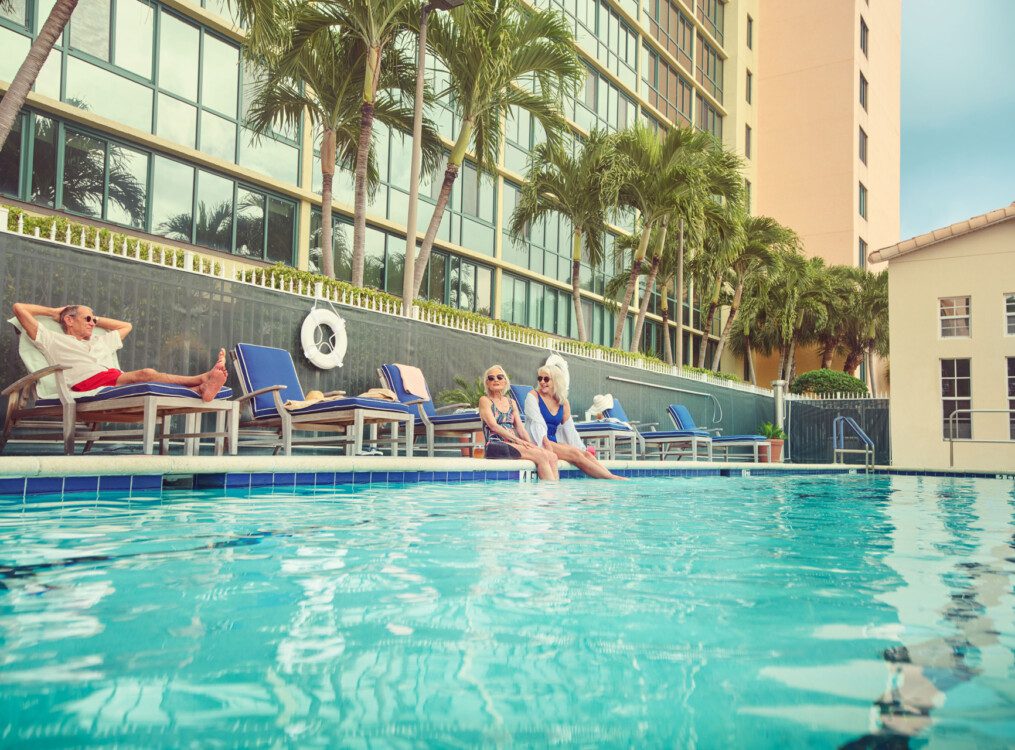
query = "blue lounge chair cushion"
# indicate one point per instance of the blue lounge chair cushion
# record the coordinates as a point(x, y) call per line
point(681, 417)
point(445, 420)
point(670, 434)
point(617, 412)
point(393, 377)
point(739, 439)
point(264, 366)
point(137, 389)
point(519, 393)
point(345, 404)
point(602, 425)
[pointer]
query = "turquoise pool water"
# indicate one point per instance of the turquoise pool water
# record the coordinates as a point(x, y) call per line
point(753, 612)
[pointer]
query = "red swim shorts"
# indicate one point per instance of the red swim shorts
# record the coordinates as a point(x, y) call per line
point(101, 380)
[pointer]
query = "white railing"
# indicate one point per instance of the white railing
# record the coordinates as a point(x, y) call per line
point(225, 269)
point(834, 397)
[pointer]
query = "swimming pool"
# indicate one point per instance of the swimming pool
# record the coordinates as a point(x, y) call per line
point(708, 612)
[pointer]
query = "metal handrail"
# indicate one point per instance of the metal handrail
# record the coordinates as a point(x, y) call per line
point(839, 449)
point(953, 423)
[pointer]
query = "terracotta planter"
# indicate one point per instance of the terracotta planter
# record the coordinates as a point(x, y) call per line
point(771, 452)
point(477, 437)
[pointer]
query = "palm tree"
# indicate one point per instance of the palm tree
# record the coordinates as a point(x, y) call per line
point(324, 77)
point(712, 264)
point(763, 237)
point(865, 324)
point(499, 54)
point(583, 189)
point(376, 25)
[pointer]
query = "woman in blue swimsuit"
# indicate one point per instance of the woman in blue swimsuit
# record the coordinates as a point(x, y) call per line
point(548, 414)
point(503, 429)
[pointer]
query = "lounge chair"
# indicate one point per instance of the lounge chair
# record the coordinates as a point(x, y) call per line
point(268, 379)
point(683, 420)
point(42, 407)
point(613, 431)
point(432, 422)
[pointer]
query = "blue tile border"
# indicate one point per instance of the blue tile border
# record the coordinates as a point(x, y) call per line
point(22, 486)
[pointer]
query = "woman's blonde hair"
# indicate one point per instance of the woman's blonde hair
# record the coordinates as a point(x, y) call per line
point(491, 370)
point(556, 380)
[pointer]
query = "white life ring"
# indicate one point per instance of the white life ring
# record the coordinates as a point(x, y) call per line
point(324, 353)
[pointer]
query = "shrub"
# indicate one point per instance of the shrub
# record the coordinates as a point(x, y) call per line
point(822, 382)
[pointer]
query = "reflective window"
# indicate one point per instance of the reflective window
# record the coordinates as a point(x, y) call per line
point(1009, 315)
point(48, 81)
point(135, 28)
point(956, 396)
point(220, 76)
point(218, 136)
point(100, 91)
point(173, 199)
point(955, 316)
point(127, 186)
point(90, 28)
point(84, 167)
point(44, 162)
point(16, 11)
point(177, 121)
point(341, 240)
point(709, 69)
point(15, 48)
point(214, 220)
point(10, 161)
point(178, 72)
point(270, 157)
point(373, 268)
point(250, 223)
point(281, 230)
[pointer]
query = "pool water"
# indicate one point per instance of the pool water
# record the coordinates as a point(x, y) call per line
point(726, 612)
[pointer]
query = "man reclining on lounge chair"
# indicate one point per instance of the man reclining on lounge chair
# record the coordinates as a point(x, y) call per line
point(81, 354)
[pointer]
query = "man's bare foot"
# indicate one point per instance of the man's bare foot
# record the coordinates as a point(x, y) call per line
point(220, 363)
point(213, 381)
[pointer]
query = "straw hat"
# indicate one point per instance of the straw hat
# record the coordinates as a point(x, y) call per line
point(601, 402)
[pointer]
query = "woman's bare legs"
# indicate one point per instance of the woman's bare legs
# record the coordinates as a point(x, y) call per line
point(584, 461)
point(545, 461)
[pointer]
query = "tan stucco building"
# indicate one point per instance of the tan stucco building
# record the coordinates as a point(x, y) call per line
point(952, 327)
point(828, 107)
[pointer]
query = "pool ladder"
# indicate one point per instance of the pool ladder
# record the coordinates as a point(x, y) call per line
point(839, 449)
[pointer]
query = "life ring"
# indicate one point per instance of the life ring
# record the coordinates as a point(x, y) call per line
point(325, 353)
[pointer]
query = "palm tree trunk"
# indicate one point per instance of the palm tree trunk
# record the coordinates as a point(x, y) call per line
point(826, 355)
point(751, 373)
point(639, 323)
point(24, 79)
point(679, 354)
point(790, 361)
point(853, 360)
point(712, 307)
point(359, 227)
point(327, 179)
point(576, 295)
point(632, 281)
point(783, 356)
point(667, 348)
point(657, 256)
point(455, 160)
point(727, 329)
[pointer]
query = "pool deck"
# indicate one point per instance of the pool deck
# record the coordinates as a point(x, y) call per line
point(28, 475)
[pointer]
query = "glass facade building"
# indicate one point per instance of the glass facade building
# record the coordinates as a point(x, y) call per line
point(137, 121)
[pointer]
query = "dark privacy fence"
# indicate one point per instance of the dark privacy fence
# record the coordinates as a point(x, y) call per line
point(809, 424)
point(181, 320)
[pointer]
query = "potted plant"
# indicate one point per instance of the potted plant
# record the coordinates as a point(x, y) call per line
point(771, 453)
point(465, 395)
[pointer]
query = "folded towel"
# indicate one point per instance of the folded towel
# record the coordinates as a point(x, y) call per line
point(312, 397)
point(381, 394)
point(413, 381)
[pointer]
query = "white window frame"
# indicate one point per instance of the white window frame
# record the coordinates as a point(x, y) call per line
point(955, 398)
point(967, 316)
point(1009, 313)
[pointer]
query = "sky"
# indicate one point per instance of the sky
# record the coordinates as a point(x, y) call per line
point(958, 111)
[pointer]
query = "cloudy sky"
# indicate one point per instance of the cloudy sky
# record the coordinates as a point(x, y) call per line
point(958, 110)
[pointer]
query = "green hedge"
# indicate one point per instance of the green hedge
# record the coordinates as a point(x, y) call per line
point(136, 248)
point(822, 382)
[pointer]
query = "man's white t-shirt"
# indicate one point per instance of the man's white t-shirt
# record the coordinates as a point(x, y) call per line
point(84, 358)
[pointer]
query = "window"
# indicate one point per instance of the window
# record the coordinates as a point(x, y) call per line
point(673, 30)
point(955, 314)
point(1011, 398)
point(748, 87)
point(747, 141)
point(750, 33)
point(955, 395)
point(863, 146)
point(863, 200)
point(668, 91)
point(709, 70)
point(1009, 313)
point(709, 119)
point(863, 92)
point(863, 36)
point(711, 13)
point(862, 247)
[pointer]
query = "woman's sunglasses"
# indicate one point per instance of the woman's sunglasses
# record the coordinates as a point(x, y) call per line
point(494, 377)
point(543, 378)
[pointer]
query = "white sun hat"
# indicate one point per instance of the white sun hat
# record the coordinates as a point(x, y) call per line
point(600, 403)
point(555, 360)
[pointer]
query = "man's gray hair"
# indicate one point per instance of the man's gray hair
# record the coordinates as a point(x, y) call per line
point(71, 310)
